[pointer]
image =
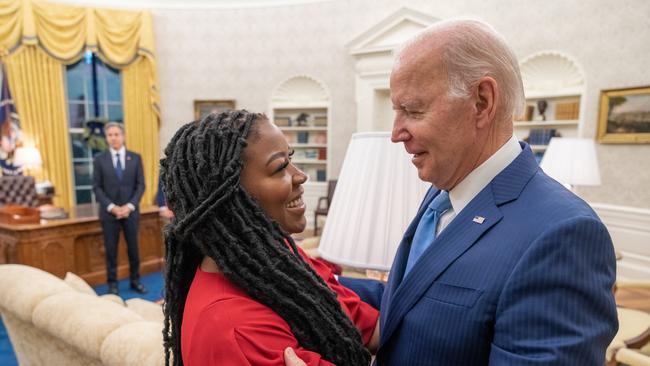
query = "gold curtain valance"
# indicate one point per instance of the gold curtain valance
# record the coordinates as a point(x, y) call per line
point(65, 31)
point(37, 37)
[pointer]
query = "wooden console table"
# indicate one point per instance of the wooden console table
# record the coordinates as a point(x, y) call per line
point(76, 245)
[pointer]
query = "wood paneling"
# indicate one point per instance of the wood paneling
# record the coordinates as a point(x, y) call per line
point(76, 245)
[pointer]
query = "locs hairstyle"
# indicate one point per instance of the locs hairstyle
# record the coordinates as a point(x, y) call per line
point(215, 216)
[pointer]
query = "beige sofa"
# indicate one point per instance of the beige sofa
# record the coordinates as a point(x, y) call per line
point(63, 322)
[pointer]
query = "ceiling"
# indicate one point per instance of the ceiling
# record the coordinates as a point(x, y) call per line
point(188, 4)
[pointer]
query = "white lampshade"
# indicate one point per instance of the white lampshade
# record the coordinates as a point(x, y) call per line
point(572, 161)
point(377, 195)
point(27, 157)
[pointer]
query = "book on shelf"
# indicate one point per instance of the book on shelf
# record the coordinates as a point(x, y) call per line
point(303, 137)
point(320, 121)
point(318, 138)
point(541, 136)
point(282, 121)
point(321, 175)
point(322, 154)
point(567, 110)
point(311, 154)
point(298, 154)
point(529, 110)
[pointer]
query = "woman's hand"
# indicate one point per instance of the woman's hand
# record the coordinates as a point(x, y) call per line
point(291, 358)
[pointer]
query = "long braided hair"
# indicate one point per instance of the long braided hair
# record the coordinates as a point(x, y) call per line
point(216, 217)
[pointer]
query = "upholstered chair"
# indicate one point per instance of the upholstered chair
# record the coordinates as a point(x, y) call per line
point(18, 190)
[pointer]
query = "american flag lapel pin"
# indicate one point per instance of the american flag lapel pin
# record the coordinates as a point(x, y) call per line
point(128, 157)
point(478, 219)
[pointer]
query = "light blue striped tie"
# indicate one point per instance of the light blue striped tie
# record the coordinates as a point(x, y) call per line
point(425, 233)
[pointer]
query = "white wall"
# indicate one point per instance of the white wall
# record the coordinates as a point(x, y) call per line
point(243, 54)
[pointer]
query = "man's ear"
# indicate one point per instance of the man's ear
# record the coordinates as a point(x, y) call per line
point(487, 95)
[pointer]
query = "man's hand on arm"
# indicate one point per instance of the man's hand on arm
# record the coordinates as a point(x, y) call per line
point(165, 212)
point(373, 344)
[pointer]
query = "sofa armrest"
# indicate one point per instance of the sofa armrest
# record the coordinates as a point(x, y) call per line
point(81, 320)
point(22, 288)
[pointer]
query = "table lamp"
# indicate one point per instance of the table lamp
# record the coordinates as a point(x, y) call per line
point(572, 162)
point(377, 195)
point(29, 158)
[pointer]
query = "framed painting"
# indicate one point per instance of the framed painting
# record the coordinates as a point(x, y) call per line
point(624, 116)
point(205, 107)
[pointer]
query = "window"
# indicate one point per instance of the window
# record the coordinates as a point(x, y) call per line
point(94, 90)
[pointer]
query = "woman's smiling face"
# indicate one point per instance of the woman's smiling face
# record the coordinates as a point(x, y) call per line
point(269, 176)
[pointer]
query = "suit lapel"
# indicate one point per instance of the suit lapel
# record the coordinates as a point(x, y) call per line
point(108, 161)
point(399, 263)
point(451, 243)
point(463, 232)
point(128, 163)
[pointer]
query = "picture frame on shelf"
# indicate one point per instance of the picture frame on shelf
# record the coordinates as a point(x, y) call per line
point(204, 107)
point(624, 116)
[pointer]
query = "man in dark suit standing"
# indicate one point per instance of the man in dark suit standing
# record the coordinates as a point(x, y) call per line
point(118, 183)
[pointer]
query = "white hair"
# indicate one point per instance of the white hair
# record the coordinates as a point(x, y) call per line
point(473, 49)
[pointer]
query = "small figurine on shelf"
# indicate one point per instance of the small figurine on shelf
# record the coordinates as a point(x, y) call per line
point(541, 107)
point(302, 119)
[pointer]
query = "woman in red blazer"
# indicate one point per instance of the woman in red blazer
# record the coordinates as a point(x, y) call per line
point(238, 290)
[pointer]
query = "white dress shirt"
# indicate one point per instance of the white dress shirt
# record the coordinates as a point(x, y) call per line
point(122, 152)
point(465, 191)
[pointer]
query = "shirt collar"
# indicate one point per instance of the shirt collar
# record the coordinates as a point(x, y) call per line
point(474, 182)
point(121, 151)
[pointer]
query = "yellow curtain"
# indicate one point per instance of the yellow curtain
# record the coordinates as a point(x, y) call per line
point(11, 24)
point(36, 81)
point(122, 39)
point(143, 122)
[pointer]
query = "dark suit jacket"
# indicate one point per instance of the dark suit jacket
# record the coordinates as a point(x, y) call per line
point(160, 195)
point(108, 189)
point(530, 285)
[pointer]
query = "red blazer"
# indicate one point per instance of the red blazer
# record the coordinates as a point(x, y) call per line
point(223, 326)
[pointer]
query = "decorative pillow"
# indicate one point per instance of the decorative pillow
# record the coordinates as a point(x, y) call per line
point(78, 284)
point(146, 309)
point(139, 343)
point(82, 320)
point(114, 298)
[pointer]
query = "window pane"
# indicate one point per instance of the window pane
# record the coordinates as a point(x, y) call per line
point(79, 147)
point(115, 113)
point(103, 110)
point(82, 175)
point(91, 110)
point(113, 84)
point(83, 196)
point(77, 114)
point(75, 81)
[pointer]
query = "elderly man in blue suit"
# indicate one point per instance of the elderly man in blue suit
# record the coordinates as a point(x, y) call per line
point(501, 265)
point(118, 183)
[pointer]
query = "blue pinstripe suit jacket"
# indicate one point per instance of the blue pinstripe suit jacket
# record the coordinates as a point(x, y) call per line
point(531, 285)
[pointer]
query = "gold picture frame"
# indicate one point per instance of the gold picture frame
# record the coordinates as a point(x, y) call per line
point(205, 107)
point(624, 116)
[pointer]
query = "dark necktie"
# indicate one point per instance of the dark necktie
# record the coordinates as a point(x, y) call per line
point(118, 167)
point(425, 233)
